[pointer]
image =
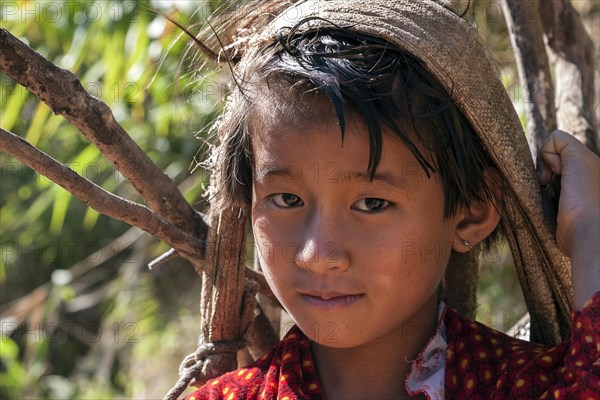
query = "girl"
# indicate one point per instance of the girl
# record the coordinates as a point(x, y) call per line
point(374, 140)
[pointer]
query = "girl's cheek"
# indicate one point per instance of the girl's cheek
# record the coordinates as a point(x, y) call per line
point(266, 239)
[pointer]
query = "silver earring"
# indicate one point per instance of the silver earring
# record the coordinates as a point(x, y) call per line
point(466, 243)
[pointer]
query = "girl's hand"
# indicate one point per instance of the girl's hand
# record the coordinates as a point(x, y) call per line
point(578, 220)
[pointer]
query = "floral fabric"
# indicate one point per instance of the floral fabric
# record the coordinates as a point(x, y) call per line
point(480, 363)
point(427, 371)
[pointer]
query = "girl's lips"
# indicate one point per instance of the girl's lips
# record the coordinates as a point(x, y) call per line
point(330, 303)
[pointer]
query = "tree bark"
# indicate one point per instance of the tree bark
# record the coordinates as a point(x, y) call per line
point(461, 280)
point(526, 35)
point(535, 26)
point(574, 66)
point(225, 318)
point(572, 107)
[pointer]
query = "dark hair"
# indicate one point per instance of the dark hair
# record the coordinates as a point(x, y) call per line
point(360, 74)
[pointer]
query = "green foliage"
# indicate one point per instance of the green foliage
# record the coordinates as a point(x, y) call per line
point(11, 378)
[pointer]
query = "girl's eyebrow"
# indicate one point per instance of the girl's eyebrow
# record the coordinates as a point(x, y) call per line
point(293, 173)
point(384, 178)
point(266, 173)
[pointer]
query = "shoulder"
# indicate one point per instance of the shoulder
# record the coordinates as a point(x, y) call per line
point(480, 358)
point(243, 383)
point(287, 369)
point(481, 361)
point(468, 336)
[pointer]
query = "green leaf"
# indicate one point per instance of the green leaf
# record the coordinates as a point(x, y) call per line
point(9, 350)
point(90, 218)
point(17, 96)
point(40, 117)
point(2, 271)
point(59, 211)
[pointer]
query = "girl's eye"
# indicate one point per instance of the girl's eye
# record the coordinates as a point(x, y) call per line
point(286, 200)
point(371, 204)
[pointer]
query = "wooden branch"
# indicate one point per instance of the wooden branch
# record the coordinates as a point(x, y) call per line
point(258, 277)
point(163, 258)
point(261, 336)
point(223, 283)
point(99, 199)
point(527, 23)
point(526, 36)
point(227, 303)
point(461, 280)
point(263, 286)
point(574, 67)
point(63, 93)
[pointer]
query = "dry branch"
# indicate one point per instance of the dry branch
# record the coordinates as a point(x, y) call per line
point(572, 107)
point(223, 274)
point(461, 280)
point(526, 35)
point(574, 65)
point(261, 336)
point(99, 199)
point(61, 90)
point(227, 305)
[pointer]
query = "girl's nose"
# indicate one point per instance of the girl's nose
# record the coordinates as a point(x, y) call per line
point(323, 247)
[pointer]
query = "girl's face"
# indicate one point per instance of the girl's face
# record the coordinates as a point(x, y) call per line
point(351, 260)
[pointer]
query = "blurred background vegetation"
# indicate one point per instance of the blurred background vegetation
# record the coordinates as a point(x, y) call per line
point(82, 317)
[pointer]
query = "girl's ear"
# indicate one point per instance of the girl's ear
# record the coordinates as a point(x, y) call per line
point(481, 218)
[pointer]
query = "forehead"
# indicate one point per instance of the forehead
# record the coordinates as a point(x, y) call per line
point(315, 150)
point(283, 140)
point(280, 103)
point(285, 107)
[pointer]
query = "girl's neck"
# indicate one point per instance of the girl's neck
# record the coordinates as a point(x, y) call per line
point(375, 370)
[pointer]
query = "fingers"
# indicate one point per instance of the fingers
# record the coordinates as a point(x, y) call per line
point(550, 161)
point(544, 172)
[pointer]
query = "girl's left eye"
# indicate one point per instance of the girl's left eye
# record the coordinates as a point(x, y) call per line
point(370, 204)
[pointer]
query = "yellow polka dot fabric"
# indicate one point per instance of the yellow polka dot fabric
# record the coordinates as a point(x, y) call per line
point(485, 364)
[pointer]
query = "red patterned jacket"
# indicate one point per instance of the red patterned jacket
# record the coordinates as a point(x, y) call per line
point(481, 363)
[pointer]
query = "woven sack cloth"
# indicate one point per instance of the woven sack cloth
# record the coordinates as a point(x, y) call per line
point(450, 48)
